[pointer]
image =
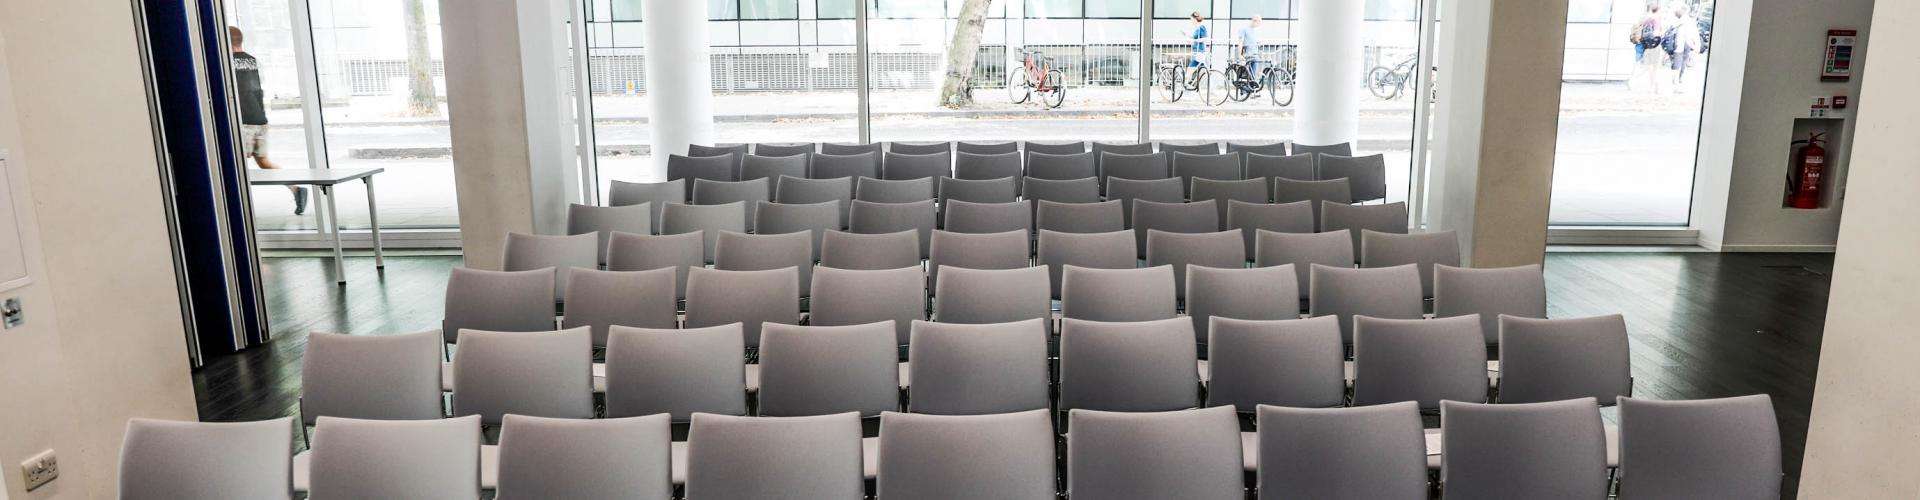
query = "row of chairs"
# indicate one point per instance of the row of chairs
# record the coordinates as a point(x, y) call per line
point(987, 148)
point(967, 159)
point(1717, 448)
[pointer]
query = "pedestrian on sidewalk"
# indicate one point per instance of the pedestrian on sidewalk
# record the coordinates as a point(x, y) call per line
point(1250, 45)
point(253, 112)
point(1199, 39)
point(1686, 41)
point(1646, 35)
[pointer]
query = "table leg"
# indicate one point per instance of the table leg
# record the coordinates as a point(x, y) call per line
point(333, 226)
point(373, 216)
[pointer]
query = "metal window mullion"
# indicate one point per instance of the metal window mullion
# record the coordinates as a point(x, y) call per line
point(1423, 111)
point(587, 143)
point(224, 230)
point(1147, 63)
point(863, 84)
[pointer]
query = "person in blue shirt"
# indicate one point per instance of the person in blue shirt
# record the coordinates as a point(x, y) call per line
point(1250, 45)
point(1199, 39)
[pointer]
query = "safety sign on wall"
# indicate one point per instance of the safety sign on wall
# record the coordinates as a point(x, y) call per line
point(1838, 66)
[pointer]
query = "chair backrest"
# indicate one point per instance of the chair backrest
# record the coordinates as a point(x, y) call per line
point(878, 218)
point(1523, 451)
point(758, 252)
point(1078, 190)
point(1060, 167)
point(1303, 250)
point(1196, 217)
point(1367, 175)
point(846, 297)
point(834, 148)
point(792, 149)
point(1148, 165)
point(1207, 165)
point(748, 193)
point(743, 458)
point(708, 220)
point(676, 372)
point(559, 255)
point(1127, 191)
point(383, 377)
point(1270, 149)
point(1204, 148)
point(601, 299)
point(1130, 366)
point(911, 148)
point(817, 219)
point(162, 459)
point(844, 250)
point(1224, 193)
point(1054, 148)
point(978, 369)
point(822, 370)
point(1386, 218)
point(723, 149)
point(980, 166)
point(498, 301)
point(1133, 148)
point(543, 374)
point(693, 168)
point(602, 222)
point(1108, 250)
point(1286, 362)
point(833, 166)
point(1420, 360)
point(984, 296)
point(798, 191)
point(987, 148)
point(1221, 250)
point(1191, 454)
point(1709, 448)
point(893, 191)
point(898, 165)
point(568, 458)
point(655, 194)
point(413, 459)
point(1251, 218)
point(1096, 217)
point(1519, 291)
point(1279, 166)
point(752, 298)
point(1259, 293)
point(1133, 294)
point(640, 252)
point(936, 457)
point(1316, 193)
point(1555, 359)
point(1425, 250)
point(1005, 250)
point(1384, 292)
point(1363, 453)
point(971, 217)
point(1000, 190)
point(772, 168)
point(1342, 149)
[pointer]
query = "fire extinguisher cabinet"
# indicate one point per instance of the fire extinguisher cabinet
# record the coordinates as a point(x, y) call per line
point(1809, 179)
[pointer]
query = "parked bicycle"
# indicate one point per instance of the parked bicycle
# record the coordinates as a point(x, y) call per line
point(1389, 83)
point(1178, 75)
point(1037, 75)
point(1277, 82)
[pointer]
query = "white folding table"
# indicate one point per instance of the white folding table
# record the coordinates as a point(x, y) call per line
point(323, 180)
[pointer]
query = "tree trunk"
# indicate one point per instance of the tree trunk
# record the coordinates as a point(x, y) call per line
point(961, 53)
point(422, 99)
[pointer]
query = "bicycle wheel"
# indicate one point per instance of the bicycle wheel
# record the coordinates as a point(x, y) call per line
point(1053, 89)
point(1170, 85)
point(1214, 87)
point(1280, 87)
point(1017, 87)
point(1380, 82)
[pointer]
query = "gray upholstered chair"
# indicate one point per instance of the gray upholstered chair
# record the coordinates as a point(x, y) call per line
point(1268, 167)
point(893, 191)
point(1130, 148)
point(655, 194)
point(1203, 148)
point(772, 168)
point(413, 459)
point(1259, 293)
point(543, 374)
point(1342, 149)
point(1006, 250)
point(600, 299)
point(816, 219)
point(737, 151)
point(1054, 148)
point(1142, 294)
point(602, 222)
point(1097, 217)
point(938, 457)
point(1000, 190)
point(708, 220)
point(987, 148)
point(1108, 250)
point(900, 166)
point(1270, 149)
point(379, 377)
point(847, 297)
point(1303, 250)
point(676, 372)
point(1060, 167)
point(1222, 250)
point(759, 252)
point(1367, 175)
point(915, 148)
point(1425, 361)
point(1520, 291)
point(1384, 293)
point(559, 255)
point(1188, 454)
point(1209, 165)
point(1128, 366)
point(961, 369)
point(825, 165)
point(1196, 217)
point(1128, 190)
point(1709, 448)
point(746, 458)
point(798, 191)
point(1523, 451)
point(837, 148)
point(569, 458)
point(1078, 190)
point(970, 217)
point(1225, 192)
point(985, 296)
point(498, 301)
point(1252, 218)
point(1426, 250)
point(1289, 362)
point(1363, 453)
point(693, 168)
point(640, 252)
point(844, 250)
point(1317, 194)
point(165, 460)
point(752, 298)
point(1145, 166)
point(748, 193)
point(1386, 218)
point(784, 149)
point(1555, 359)
point(880, 218)
point(822, 370)
point(978, 166)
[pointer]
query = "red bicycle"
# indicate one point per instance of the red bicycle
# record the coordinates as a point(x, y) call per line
point(1037, 76)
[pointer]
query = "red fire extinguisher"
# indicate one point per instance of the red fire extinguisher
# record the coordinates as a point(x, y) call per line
point(1803, 183)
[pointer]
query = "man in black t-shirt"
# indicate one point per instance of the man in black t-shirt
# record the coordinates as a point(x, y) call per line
point(253, 112)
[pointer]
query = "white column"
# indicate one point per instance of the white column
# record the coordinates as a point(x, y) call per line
point(1329, 65)
point(679, 85)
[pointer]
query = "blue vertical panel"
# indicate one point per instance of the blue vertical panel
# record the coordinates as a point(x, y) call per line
point(233, 180)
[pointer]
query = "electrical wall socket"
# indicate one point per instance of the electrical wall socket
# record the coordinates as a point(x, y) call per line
point(40, 470)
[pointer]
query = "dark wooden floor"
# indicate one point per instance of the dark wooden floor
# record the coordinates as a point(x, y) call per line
point(1704, 325)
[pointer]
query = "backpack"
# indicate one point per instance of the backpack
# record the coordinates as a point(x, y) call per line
point(1668, 40)
point(1639, 33)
